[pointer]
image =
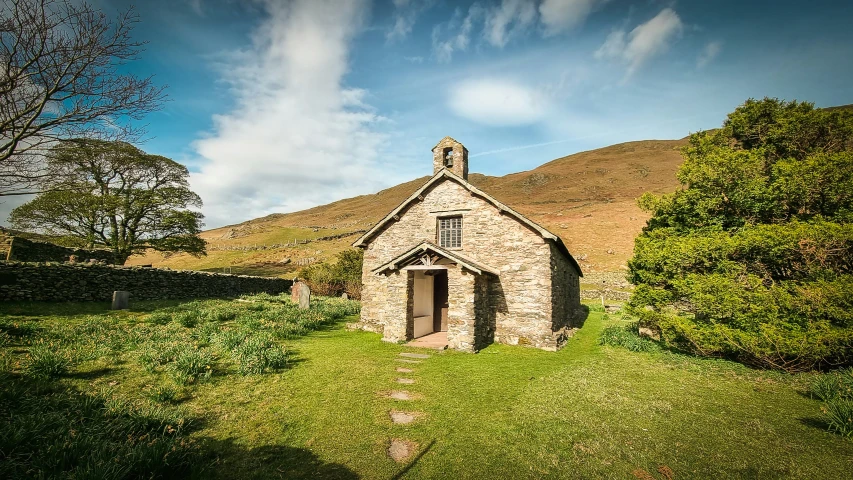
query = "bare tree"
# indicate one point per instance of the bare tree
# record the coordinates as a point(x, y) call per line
point(60, 78)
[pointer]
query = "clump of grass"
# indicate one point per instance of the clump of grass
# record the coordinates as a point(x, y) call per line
point(157, 354)
point(835, 389)
point(259, 354)
point(626, 336)
point(220, 314)
point(191, 365)
point(838, 415)
point(229, 339)
point(188, 319)
point(205, 333)
point(159, 318)
point(163, 394)
point(5, 339)
point(47, 360)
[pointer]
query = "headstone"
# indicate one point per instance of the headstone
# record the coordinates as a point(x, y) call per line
point(345, 296)
point(304, 296)
point(294, 291)
point(121, 300)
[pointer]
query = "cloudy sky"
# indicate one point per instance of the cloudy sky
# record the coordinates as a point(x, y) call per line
point(281, 105)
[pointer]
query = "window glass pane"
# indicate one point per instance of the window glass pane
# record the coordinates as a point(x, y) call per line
point(450, 232)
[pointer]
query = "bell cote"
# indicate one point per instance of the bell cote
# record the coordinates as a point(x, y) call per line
point(451, 155)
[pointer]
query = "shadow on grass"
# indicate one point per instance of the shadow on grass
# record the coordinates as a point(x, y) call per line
point(51, 430)
point(229, 459)
point(414, 461)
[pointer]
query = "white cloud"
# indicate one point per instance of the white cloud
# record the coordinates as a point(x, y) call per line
point(406, 12)
point(643, 42)
point(497, 102)
point(710, 52)
point(558, 16)
point(297, 137)
point(508, 19)
point(455, 35)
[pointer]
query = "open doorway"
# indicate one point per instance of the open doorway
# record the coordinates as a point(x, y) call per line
point(440, 301)
point(429, 309)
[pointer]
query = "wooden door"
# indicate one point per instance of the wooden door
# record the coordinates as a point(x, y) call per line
point(440, 302)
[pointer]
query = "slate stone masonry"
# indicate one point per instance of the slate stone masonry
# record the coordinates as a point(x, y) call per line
point(67, 282)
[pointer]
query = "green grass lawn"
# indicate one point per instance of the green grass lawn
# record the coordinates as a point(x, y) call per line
point(587, 411)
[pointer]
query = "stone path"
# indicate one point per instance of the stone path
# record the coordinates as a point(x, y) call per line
point(401, 449)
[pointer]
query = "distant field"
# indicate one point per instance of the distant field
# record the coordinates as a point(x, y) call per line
point(588, 199)
point(587, 411)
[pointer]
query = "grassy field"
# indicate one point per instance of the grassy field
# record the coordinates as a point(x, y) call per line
point(322, 409)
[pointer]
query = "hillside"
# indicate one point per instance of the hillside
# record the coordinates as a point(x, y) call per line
point(589, 199)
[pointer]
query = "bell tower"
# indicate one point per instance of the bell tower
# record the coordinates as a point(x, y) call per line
point(451, 155)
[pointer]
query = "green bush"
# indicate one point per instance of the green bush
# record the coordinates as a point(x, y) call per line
point(626, 336)
point(752, 259)
point(48, 361)
point(191, 365)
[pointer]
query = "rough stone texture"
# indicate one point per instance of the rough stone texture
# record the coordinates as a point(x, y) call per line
point(404, 370)
point(400, 395)
point(295, 291)
point(20, 249)
point(404, 360)
point(460, 157)
point(121, 300)
point(304, 296)
point(405, 381)
point(65, 282)
point(402, 418)
point(530, 302)
point(400, 450)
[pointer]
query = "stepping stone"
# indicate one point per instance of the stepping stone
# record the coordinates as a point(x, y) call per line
point(404, 370)
point(400, 395)
point(403, 418)
point(407, 381)
point(400, 450)
point(413, 355)
point(407, 361)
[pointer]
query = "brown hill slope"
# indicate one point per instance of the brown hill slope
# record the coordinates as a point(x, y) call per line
point(588, 198)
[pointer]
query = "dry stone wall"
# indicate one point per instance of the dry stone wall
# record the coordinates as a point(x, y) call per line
point(65, 282)
point(20, 249)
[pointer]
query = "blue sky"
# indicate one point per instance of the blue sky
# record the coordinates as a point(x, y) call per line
point(276, 106)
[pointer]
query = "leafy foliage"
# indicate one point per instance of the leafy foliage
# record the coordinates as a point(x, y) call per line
point(626, 336)
point(752, 258)
point(112, 194)
point(332, 279)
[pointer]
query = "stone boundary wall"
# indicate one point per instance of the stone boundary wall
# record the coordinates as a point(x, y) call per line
point(67, 282)
point(608, 295)
point(20, 249)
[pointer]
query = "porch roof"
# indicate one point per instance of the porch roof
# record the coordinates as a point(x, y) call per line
point(426, 247)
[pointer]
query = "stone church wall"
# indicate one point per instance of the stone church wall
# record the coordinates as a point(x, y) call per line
point(519, 299)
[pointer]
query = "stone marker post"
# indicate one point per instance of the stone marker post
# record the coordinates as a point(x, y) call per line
point(304, 296)
point(345, 296)
point(121, 300)
point(294, 291)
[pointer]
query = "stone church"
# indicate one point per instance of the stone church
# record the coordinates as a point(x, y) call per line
point(455, 266)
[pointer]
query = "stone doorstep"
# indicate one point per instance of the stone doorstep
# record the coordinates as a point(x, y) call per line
point(406, 381)
point(407, 361)
point(404, 370)
point(401, 395)
point(413, 355)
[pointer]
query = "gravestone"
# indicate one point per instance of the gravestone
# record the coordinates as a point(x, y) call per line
point(304, 296)
point(294, 290)
point(345, 296)
point(121, 300)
